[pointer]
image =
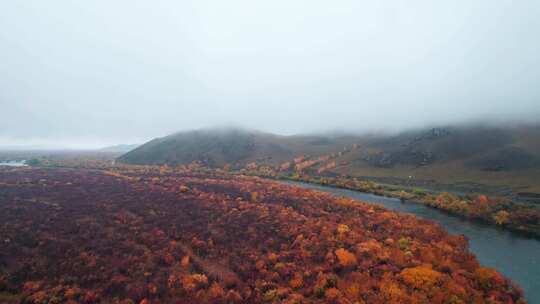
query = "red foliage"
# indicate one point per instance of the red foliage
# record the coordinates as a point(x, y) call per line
point(137, 236)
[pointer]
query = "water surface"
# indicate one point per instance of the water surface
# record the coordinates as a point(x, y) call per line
point(13, 163)
point(515, 255)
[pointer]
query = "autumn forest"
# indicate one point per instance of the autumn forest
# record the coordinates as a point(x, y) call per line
point(149, 234)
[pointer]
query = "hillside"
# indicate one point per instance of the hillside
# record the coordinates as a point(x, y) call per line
point(464, 159)
point(216, 148)
point(498, 160)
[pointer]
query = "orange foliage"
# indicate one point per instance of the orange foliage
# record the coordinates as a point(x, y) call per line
point(185, 262)
point(392, 292)
point(346, 258)
point(420, 277)
point(253, 197)
point(502, 217)
point(192, 282)
point(332, 293)
point(216, 291)
point(488, 277)
point(343, 229)
point(296, 282)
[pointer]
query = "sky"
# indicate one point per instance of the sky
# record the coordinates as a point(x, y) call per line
point(85, 74)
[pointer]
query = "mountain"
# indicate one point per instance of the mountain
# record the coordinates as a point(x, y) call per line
point(465, 159)
point(472, 158)
point(212, 147)
point(216, 147)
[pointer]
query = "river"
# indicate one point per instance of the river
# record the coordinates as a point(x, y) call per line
point(13, 163)
point(514, 255)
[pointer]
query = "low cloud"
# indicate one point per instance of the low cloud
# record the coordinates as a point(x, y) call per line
point(89, 74)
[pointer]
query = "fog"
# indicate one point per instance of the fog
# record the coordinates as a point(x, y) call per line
point(92, 73)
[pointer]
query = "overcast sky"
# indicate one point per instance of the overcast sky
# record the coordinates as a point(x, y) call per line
point(91, 73)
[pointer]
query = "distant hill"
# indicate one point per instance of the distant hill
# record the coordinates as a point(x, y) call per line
point(487, 149)
point(463, 157)
point(212, 147)
point(216, 147)
point(123, 148)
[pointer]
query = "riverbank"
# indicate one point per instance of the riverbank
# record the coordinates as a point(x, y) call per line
point(514, 254)
point(499, 211)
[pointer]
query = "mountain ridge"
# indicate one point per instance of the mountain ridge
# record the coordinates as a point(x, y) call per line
point(502, 156)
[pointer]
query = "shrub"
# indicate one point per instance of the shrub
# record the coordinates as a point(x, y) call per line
point(346, 258)
point(421, 277)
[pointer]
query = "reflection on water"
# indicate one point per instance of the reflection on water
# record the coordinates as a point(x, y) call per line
point(516, 256)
